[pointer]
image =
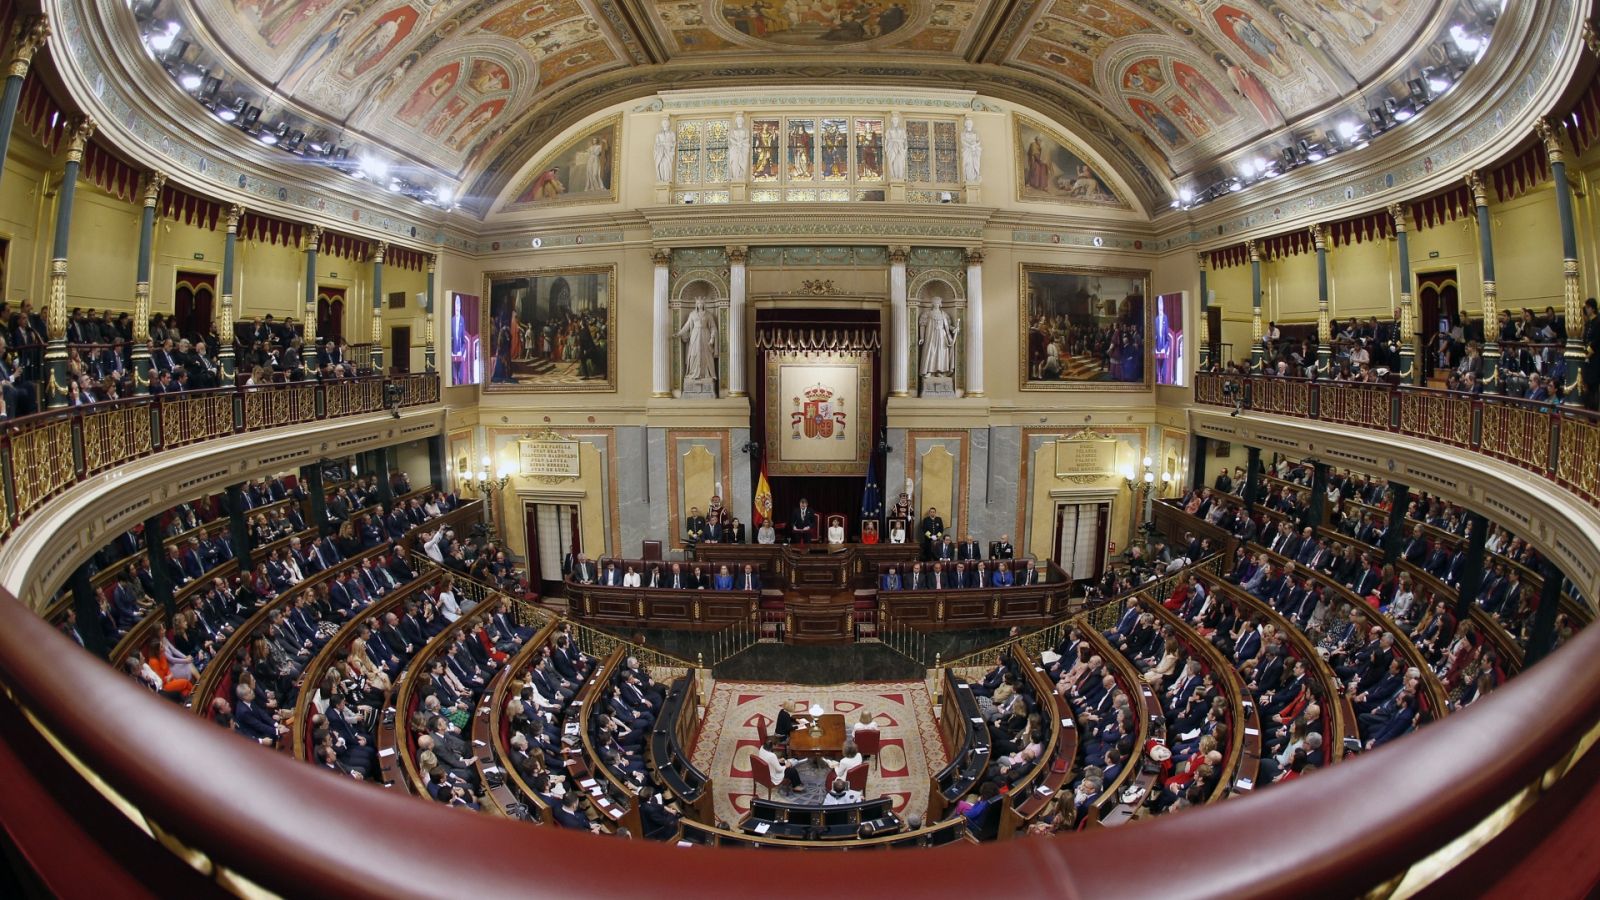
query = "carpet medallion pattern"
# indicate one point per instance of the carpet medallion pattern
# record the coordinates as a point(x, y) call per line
point(903, 711)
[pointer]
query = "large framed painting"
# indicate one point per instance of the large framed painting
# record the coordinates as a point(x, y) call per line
point(551, 329)
point(1051, 170)
point(583, 170)
point(1087, 328)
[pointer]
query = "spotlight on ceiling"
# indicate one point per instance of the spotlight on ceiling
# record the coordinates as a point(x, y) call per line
point(374, 167)
point(1399, 110)
point(1347, 129)
point(190, 78)
point(1185, 195)
point(248, 118)
point(1312, 152)
point(162, 37)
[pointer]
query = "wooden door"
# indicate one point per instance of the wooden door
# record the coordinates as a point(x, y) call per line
point(400, 349)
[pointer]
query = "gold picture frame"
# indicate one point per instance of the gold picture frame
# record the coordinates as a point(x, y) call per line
point(1033, 341)
point(560, 375)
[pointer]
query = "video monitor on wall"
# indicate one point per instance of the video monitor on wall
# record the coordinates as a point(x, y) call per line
point(1167, 333)
point(466, 348)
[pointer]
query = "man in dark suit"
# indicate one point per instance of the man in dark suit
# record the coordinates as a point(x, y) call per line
point(748, 579)
point(931, 531)
point(1002, 548)
point(567, 816)
point(968, 550)
point(694, 527)
point(612, 576)
point(677, 579)
point(916, 579)
point(803, 522)
point(659, 823)
point(583, 571)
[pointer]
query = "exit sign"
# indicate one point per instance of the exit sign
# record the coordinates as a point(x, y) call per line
point(1433, 254)
point(199, 256)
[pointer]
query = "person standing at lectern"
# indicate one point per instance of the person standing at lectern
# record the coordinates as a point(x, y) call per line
point(932, 531)
point(803, 521)
point(1002, 548)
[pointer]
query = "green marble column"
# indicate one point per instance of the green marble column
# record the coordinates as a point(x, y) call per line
point(1571, 287)
point(141, 287)
point(55, 354)
point(378, 251)
point(31, 34)
point(1206, 337)
point(313, 242)
point(1324, 327)
point(229, 259)
point(427, 331)
point(1256, 353)
point(1408, 332)
point(1491, 337)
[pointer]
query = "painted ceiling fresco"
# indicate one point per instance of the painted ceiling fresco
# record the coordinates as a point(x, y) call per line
point(460, 85)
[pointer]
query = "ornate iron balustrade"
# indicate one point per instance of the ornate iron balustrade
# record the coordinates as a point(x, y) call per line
point(44, 454)
point(1554, 441)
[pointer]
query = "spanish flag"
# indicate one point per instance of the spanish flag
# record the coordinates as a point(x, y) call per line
point(763, 498)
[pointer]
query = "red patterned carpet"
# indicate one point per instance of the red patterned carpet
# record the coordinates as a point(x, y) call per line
point(912, 747)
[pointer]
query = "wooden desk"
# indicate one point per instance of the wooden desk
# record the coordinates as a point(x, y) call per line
point(830, 740)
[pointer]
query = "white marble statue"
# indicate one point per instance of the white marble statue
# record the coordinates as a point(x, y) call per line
point(971, 154)
point(738, 149)
point(894, 143)
point(699, 331)
point(937, 335)
point(666, 150)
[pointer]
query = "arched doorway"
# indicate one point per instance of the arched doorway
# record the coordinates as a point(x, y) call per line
point(192, 298)
point(330, 314)
point(1439, 305)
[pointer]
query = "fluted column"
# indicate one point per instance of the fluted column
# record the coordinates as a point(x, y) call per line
point(1205, 320)
point(55, 353)
point(313, 244)
point(153, 183)
point(1571, 287)
point(427, 331)
point(1256, 353)
point(31, 33)
point(378, 250)
point(974, 323)
point(1324, 327)
point(661, 331)
point(225, 330)
point(899, 339)
point(736, 301)
point(1491, 313)
point(1408, 330)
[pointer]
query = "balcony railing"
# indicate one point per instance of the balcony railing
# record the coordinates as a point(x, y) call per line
point(42, 455)
point(1554, 441)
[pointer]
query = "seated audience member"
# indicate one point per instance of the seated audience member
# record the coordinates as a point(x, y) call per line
point(784, 772)
point(841, 794)
point(723, 580)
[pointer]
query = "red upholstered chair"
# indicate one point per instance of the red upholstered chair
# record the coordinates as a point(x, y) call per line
point(761, 729)
point(857, 777)
point(868, 741)
point(763, 776)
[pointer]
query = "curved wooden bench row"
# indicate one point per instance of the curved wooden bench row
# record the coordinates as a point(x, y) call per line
point(1108, 808)
point(394, 731)
point(1241, 759)
point(491, 734)
point(676, 730)
point(936, 833)
point(1030, 796)
point(586, 769)
point(1504, 643)
point(1433, 693)
point(1339, 717)
point(319, 664)
point(967, 736)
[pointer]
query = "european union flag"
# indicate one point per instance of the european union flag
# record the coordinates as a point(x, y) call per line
point(872, 496)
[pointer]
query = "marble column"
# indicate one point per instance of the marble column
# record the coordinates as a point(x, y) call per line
point(1541, 633)
point(427, 319)
point(899, 338)
point(86, 608)
point(1205, 320)
point(736, 301)
point(31, 35)
point(153, 183)
point(1491, 337)
point(156, 554)
point(661, 330)
point(378, 250)
point(1408, 329)
point(974, 324)
point(1469, 578)
point(313, 242)
point(230, 247)
point(1571, 287)
point(1319, 240)
point(55, 353)
point(1256, 353)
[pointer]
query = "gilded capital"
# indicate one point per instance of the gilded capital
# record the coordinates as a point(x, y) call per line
point(235, 213)
point(736, 255)
point(974, 256)
point(82, 130)
point(1254, 250)
point(31, 34)
point(1480, 191)
point(1398, 213)
point(433, 261)
point(1318, 237)
point(378, 251)
point(1204, 258)
point(153, 183)
point(1550, 133)
point(661, 257)
point(313, 238)
point(898, 254)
